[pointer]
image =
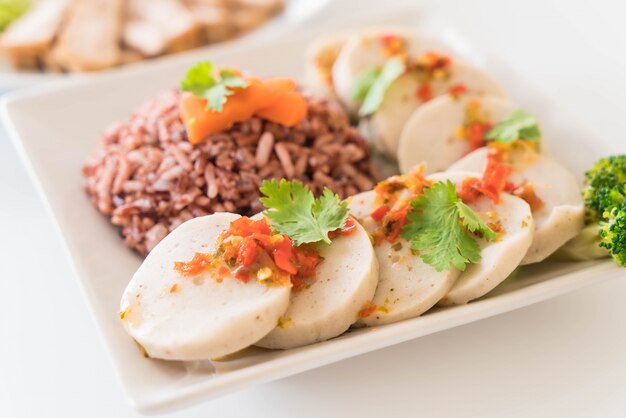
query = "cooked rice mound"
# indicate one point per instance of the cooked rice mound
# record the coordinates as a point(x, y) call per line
point(148, 178)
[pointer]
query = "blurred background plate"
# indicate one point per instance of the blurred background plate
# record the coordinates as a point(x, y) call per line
point(294, 14)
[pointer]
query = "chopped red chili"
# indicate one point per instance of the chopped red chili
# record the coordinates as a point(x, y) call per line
point(467, 190)
point(457, 90)
point(367, 310)
point(249, 248)
point(493, 182)
point(392, 44)
point(475, 133)
point(380, 213)
point(392, 212)
point(424, 92)
point(198, 264)
point(395, 220)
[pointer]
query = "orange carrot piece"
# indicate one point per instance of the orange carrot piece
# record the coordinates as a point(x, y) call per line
point(272, 90)
point(241, 106)
point(289, 110)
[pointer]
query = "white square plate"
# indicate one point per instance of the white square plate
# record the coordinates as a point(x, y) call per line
point(55, 127)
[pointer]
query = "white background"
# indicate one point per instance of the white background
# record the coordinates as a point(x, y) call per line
point(561, 358)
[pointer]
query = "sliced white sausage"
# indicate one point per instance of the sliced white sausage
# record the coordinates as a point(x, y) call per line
point(345, 281)
point(561, 216)
point(429, 134)
point(407, 287)
point(201, 319)
point(320, 58)
point(401, 100)
point(498, 258)
point(364, 50)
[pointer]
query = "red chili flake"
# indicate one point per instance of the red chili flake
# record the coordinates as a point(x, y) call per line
point(242, 276)
point(198, 264)
point(495, 226)
point(349, 227)
point(380, 213)
point(395, 221)
point(367, 310)
point(467, 190)
point(174, 288)
point(424, 92)
point(392, 44)
point(476, 134)
point(457, 89)
point(509, 187)
point(494, 180)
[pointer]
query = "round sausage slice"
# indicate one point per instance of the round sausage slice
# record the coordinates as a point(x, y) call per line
point(407, 287)
point(498, 258)
point(560, 216)
point(371, 49)
point(320, 58)
point(367, 49)
point(177, 318)
point(401, 101)
point(430, 134)
point(345, 281)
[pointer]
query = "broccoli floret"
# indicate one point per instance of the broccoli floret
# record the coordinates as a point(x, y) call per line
point(606, 187)
point(613, 233)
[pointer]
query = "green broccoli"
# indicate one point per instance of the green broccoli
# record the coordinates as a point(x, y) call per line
point(606, 187)
point(605, 214)
point(613, 233)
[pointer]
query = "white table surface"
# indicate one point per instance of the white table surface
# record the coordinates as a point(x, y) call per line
point(561, 358)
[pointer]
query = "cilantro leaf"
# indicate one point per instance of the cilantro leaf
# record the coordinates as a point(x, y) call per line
point(294, 211)
point(364, 83)
point(473, 223)
point(375, 94)
point(519, 124)
point(202, 82)
point(230, 78)
point(439, 228)
point(198, 78)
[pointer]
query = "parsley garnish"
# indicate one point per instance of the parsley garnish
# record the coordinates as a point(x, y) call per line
point(371, 85)
point(439, 228)
point(201, 81)
point(294, 211)
point(519, 124)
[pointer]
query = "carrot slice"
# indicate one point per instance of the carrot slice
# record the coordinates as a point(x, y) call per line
point(241, 106)
point(273, 90)
point(201, 122)
point(290, 109)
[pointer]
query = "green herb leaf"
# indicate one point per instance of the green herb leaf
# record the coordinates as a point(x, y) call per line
point(363, 84)
point(519, 124)
point(439, 228)
point(294, 211)
point(473, 223)
point(374, 94)
point(202, 82)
